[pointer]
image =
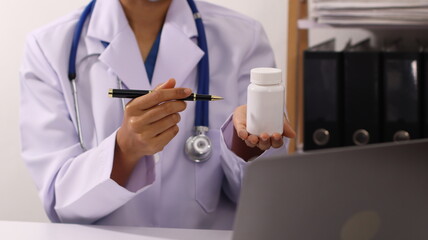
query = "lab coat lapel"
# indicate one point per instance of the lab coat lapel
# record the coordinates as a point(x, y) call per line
point(178, 53)
point(178, 56)
point(122, 56)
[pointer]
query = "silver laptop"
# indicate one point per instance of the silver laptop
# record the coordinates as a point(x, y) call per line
point(378, 191)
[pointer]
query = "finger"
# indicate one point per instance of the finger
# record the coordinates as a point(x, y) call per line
point(242, 134)
point(156, 97)
point(252, 140)
point(276, 140)
point(250, 144)
point(264, 137)
point(264, 141)
point(151, 130)
point(162, 110)
point(164, 124)
point(288, 130)
point(142, 120)
point(168, 84)
point(161, 140)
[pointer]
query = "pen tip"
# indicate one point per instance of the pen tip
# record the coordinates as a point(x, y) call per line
point(216, 98)
point(110, 92)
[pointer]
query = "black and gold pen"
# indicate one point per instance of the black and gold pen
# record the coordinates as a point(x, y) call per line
point(131, 93)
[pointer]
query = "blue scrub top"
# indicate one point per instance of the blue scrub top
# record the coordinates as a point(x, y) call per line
point(151, 58)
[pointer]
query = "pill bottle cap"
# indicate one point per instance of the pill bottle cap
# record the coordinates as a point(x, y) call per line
point(266, 76)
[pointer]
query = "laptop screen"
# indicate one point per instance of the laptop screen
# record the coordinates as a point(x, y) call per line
point(378, 191)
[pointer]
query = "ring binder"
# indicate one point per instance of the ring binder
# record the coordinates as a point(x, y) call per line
point(322, 97)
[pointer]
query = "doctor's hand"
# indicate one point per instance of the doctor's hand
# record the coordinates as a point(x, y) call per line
point(149, 124)
point(243, 140)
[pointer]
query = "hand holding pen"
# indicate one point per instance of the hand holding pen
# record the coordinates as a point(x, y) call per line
point(150, 122)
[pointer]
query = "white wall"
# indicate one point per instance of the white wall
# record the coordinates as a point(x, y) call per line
point(272, 14)
point(18, 197)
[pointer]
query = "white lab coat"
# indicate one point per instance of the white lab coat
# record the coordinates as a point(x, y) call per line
point(165, 190)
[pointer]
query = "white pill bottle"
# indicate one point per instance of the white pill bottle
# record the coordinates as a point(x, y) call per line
point(265, 102)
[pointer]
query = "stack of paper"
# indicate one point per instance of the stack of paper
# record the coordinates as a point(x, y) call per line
point(371, 12)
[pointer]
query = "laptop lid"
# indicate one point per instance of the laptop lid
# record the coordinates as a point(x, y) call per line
point(378, 191)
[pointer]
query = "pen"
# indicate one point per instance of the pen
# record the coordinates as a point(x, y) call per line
point(131, 93)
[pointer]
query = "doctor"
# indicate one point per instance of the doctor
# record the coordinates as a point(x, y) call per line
point(98, 160)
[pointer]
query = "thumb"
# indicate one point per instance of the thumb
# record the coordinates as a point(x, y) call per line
point(239, 121)
point(168, 84)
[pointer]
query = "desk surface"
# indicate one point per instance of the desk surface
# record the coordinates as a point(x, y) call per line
point(55, 231)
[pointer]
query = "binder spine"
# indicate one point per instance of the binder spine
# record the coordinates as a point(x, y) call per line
point(323, 100)
point(424, 93)
point(361, 98)
point(401, 96)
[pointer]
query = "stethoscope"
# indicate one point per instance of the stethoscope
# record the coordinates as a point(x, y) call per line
point(197, 147)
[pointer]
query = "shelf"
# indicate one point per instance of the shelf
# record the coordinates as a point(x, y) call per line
point(301, 24)
point(312, 24)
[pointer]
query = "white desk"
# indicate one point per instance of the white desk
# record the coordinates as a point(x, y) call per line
point(54, 231)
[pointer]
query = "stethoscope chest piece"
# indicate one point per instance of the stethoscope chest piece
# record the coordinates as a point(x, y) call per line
point(198, 147)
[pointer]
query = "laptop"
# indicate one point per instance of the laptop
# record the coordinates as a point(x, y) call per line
point(377, 191)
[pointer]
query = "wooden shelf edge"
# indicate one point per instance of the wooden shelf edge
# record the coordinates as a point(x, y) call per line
point(297, 43)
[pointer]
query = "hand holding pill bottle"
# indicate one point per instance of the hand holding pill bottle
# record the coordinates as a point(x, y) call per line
point(265, 102)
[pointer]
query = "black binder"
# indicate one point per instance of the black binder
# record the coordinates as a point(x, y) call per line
point(323, 101)
point(424, 93)
point(361, 96)
point(401, 96)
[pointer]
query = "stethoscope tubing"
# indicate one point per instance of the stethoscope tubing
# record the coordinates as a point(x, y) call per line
point(203, 68)
point(76, 38)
